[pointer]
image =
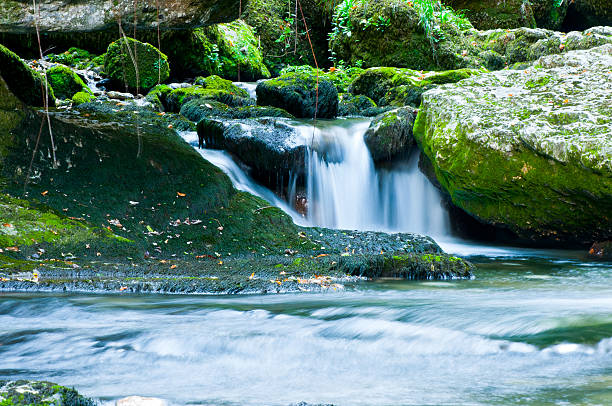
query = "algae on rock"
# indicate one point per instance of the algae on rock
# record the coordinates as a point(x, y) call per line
point(528, 150)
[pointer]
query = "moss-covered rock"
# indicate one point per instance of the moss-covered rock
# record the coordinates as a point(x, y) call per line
point(136, 64)
point(178, 97)
point(300, 94)
point(74, 57)
point(198, 109)
point(22, 81)
point(217, 83)
point(157, 96)
point(25, 393)
point(490, 14)
point(65, 82)
point(528, 150)
point(402, 87)
point(390, 133)
point(239, 53)
point(354, 105)
point(340, 76)
point(82, 97)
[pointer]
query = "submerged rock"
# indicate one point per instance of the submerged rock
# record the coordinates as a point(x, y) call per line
point(25, 83)
point(300, 94)
point(528, 150)
point(390, 133)
point(24, 393)
point(136, 64)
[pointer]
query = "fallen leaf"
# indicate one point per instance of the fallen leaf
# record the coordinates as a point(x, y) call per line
point(322, 255)
point(173, 267)
point(12, 249)
point(179, 194)
point(121, 289)
point(252, 276)
point(45, 193)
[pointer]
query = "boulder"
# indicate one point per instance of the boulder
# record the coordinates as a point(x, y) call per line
point(354, 105)
point(215, 82)
point(390, 133)
point(490, 14)
point(271, 147)
point(198, 109)
point(300, 95)
point(528, 150)
point(403, 87)
point(136, 64)
point(65, 82)
point(67, 16)
point(25, 83)
point(175, 100)
point(82, 97)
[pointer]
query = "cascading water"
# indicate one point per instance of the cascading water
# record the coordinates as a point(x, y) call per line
point(344, 188)
point(346, 191)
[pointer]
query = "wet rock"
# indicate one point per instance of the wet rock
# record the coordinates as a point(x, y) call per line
point(25, 83)
point(297, 93)
point(271, 147)
point(66, 16)
point(140, 401)
point(65, 82)
point(136, 64)
point(601, 250)
point(529, 150)
point(354, 105)
point(196, 110)
point(176, 99)
point(390, 133)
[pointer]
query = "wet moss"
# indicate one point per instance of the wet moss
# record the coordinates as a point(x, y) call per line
point(65, 82)
point(136, 64)
point(22, 81)
point(82, 97)
point(215, 82)
point(26, 393)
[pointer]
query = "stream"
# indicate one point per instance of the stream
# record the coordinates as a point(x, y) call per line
point(534, 327)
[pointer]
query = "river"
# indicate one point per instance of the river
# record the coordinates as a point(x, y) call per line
point(534, 327)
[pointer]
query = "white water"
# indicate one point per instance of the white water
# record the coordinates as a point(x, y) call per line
point(346, 190)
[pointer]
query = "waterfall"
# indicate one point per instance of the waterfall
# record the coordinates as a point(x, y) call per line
point(346, 191)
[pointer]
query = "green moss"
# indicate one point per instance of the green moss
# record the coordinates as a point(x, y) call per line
point(136, 64)
point(74, 57)
point(65, 82)
point(22, 81)
point(82, 97)
point(28, 393)
point(178, 97)
point(215, 82)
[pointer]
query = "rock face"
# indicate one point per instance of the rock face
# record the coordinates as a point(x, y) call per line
point(528, 150)
point(489, 14)
point(297, 93)
point(136, 64)
point(390, 133)
point(68, 16)
point(22, 81)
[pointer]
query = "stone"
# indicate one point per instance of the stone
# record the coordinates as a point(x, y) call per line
point(136, 64)
point(65, 82)
point(490, 14)
point(531, 150)
point(390, 134)
point(300, 95)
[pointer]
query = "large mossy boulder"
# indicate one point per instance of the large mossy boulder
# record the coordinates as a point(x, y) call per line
point(490, 14)
point(136, 64)
point(22, 81)
point(403, 87)
point(528, 150)
point(175, 100)
point(390, 134)
point(65, 82)
point(355, 105)
point(302, 94)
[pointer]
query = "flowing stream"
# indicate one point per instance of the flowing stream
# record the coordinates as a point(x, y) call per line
point(528, 330)
point(533, 328)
